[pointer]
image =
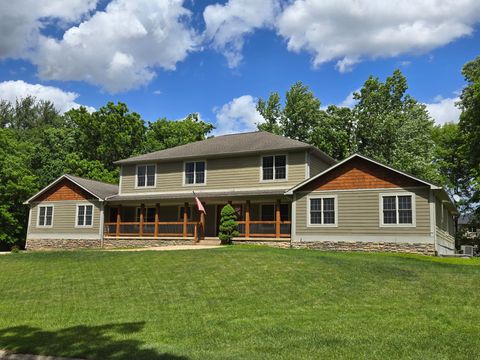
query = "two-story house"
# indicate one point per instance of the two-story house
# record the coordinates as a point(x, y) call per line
point(285, 192)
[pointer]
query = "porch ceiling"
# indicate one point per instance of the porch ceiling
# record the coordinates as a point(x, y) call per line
point(201, 194)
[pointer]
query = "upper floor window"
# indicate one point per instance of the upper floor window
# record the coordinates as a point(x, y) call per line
point(84, 215)
point(45, 216)
point(274, 167)
point(397, 209)
point(322, 211)
point(195, 172)
point(146, 175)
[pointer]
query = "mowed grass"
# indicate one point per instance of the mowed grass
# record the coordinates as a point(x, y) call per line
point(239, 303)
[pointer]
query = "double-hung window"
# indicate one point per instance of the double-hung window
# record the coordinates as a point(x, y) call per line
point(322, 211)
point(274, 167)
point(146, 176)
point(84, 215)
point(195, 173)
point(45, 216)
point(397, 209)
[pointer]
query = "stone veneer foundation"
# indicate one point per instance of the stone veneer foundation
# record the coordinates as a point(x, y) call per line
point(54, 244)
point(126, 243)
point(66, 244)
point(406, 248)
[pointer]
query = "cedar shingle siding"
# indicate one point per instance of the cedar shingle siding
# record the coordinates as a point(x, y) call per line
point(64, 190)
point(360, 174)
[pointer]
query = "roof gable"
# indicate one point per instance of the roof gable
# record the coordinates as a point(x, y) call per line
point(69, 187)
point(359, 172)
point(64, 190)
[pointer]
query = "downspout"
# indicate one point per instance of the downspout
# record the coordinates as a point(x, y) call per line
point(102, 221)
point(433, 219)
point(28, 225)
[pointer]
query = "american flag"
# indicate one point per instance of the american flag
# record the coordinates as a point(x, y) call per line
point(199, 204)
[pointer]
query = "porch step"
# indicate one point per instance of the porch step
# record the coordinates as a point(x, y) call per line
point(209, 242)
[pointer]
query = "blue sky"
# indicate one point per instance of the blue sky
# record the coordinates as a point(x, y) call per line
point(170, 58)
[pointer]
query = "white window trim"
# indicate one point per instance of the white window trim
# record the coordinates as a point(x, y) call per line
point(180, 212)
point(195, 173)
point(273, 180)
point(136, 177)
point(38, 216)
point(397, 194)
point(335, 202)
point(84, 217)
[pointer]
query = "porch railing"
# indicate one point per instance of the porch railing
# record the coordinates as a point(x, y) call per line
point(273, 229)
point(152, 229)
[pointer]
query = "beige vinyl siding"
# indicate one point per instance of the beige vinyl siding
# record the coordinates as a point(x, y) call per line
point(317, 165)
point(222, 173)
point(443, 236)
point(359, 213)
point(64, 218)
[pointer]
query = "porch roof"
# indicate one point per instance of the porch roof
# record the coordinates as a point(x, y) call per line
point(200, 194)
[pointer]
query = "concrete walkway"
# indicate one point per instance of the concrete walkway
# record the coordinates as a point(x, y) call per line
point(7, 355)
point(170, 248)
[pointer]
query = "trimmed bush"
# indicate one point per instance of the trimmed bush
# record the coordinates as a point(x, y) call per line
point(228, 224)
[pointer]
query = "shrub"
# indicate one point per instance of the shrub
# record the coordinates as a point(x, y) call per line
point(228, 224)
point(15, 249)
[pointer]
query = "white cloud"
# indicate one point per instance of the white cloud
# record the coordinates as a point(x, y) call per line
point(119, 48)
point(227, 25)
point(349, 101)
point(22, 20)
point(347, 63)
point(239, 115)
point(444, 110)
point(348, 31)
point(63, 101)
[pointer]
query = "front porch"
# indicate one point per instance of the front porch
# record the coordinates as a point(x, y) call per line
point(264, 220)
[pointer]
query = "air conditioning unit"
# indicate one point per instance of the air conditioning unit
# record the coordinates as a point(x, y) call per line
point(467, 250)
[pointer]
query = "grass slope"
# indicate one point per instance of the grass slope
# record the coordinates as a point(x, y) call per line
point(239, 303)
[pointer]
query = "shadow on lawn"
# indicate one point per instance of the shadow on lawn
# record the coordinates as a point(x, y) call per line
point(87, 342)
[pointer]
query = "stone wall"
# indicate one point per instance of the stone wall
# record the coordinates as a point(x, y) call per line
point(66, 244)
point(273, 243)
point(407, 248)
point(126, 243)
point(53, 244)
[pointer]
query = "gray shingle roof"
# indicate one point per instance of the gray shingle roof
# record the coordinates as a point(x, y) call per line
point(229, 145)
point(98, 188)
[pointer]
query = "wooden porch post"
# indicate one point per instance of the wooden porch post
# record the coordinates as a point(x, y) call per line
point(247, 219)
point(185, 220)
point(157, 219)
point(119, 220)
point(142, 211)
point(277, 219)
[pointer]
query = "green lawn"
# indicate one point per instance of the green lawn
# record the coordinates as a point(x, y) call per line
point(239, 303)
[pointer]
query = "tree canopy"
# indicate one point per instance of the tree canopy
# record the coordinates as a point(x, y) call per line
point(38, 144)
point(386, 124)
